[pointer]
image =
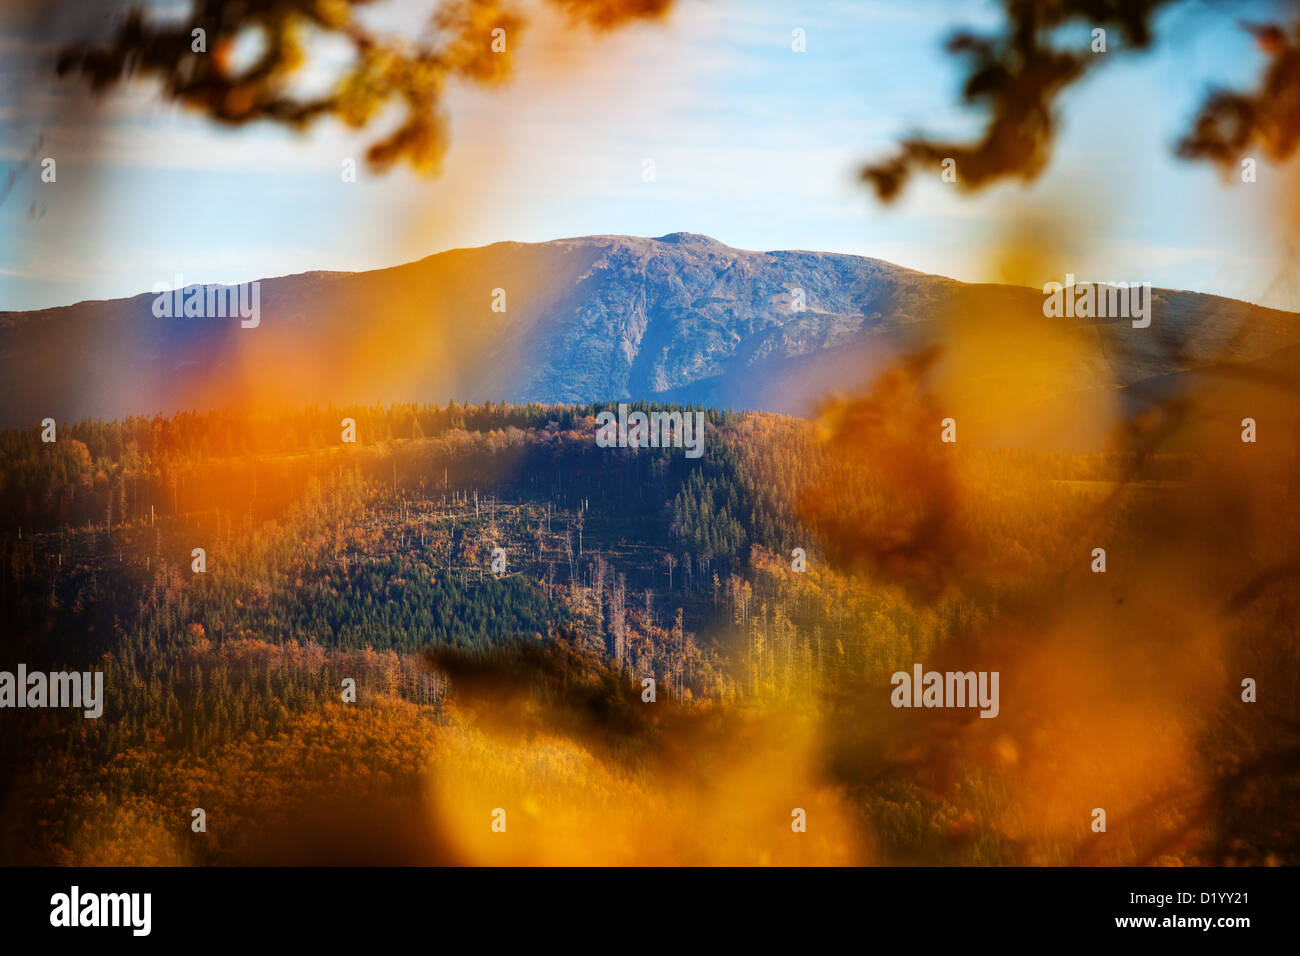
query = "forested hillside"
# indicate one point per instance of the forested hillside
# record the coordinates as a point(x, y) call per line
point(373, 561)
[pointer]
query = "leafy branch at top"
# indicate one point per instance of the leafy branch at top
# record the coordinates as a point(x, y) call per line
point(199, 70)
point(1020, 73)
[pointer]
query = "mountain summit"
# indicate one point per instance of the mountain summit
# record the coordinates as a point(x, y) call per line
point(679, 318)
point(688, 239)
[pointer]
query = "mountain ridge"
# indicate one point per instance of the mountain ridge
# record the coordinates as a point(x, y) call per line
point(679, 317)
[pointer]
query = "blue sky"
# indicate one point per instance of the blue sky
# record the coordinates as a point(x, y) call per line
point(753, 144)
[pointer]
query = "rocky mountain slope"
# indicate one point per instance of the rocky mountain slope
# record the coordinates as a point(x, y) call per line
point(681, 317)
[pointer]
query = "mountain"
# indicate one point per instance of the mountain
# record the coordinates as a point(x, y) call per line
point(678, 318)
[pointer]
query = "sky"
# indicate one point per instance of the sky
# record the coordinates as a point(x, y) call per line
point(753, 143)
